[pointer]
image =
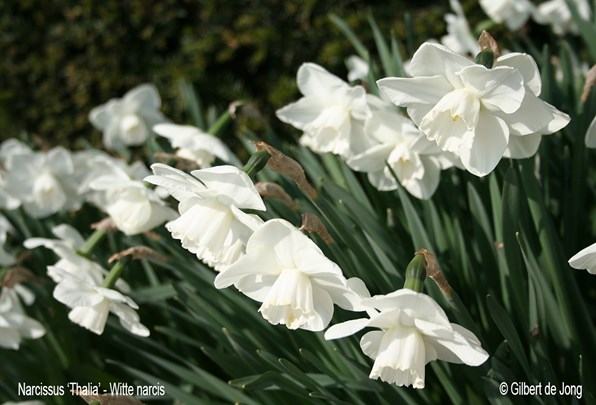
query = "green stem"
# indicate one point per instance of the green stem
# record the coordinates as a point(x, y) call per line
point(91, 242)
point(115, 272)
point(256, 163)
point(416, 274)
point(219, 124)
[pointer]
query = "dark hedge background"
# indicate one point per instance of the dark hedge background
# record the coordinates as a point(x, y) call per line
point(62, 58)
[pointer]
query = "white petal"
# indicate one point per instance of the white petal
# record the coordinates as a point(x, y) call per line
point(521, 147)
point(179, 184)
point(416, 305)
point(371, 342)
point(418, 90)
point(129, 319)
point(426, 186)
point(323, 311)
point(30, 328)
point(347, 328)
point(585, 259)
point(101, 116)
point(526, 65)
point(143, 97)
point(446, 127)
point(9, 338)
point(433, 59)
point(371, 160)
point(234, 187)
point(92, 318)
point(401, 358)
point(532, 116)
point(314, 80)
point(500, 88)
point(457, 346)
point(258, 261)
point(302, 113)
point(488, 145)
point(69, 234)
point(559, 121)
point(76, 294)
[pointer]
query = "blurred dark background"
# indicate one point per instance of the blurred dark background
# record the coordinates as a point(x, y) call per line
point(62, 58)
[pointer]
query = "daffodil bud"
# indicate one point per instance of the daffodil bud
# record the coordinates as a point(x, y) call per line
point(485, 58)
point(416, 273)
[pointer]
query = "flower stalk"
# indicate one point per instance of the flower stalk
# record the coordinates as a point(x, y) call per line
point(91, 243)
point(116, 272)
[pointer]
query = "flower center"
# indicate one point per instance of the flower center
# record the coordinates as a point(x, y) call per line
point(133, 129)
point(48, 192)
point(401, 357)
point(290, 300)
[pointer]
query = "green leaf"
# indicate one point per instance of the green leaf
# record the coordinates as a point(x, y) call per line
point(507, 329)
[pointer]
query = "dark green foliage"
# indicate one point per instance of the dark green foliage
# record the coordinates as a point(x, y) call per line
point(62, 58)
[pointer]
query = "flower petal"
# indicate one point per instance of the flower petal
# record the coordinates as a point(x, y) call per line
point(500, 88)
point(76, 294)
point(234, 187)
point(92, 318)
point(370, 343)
point(347, 328)
point(532, 116)
point(143, 97)
point(302, 113)
point(526, 65)
point(313, 79)
point(488, 145)
point(458, 346)
point(585, 259)
point(433, 59)
point(258, 260)
point(418, 90)
point(521, 147)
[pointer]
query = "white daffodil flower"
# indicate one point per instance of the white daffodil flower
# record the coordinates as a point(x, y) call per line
point(357, 68)
point(128, 121)
point(195, 145)
point(211, 223)
point(459, 37)
point(331, 113)
point(401, 149)
point(591, 135)
point(131, 205)
point(514, 13)
point(92, 165)
point(92, 303)
point(44, 182)
point(413, 331)
point(471, 110)
point(585, 259)
point(557, 14)
point(14, 322)
point(71, 263)
point(288, 273)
